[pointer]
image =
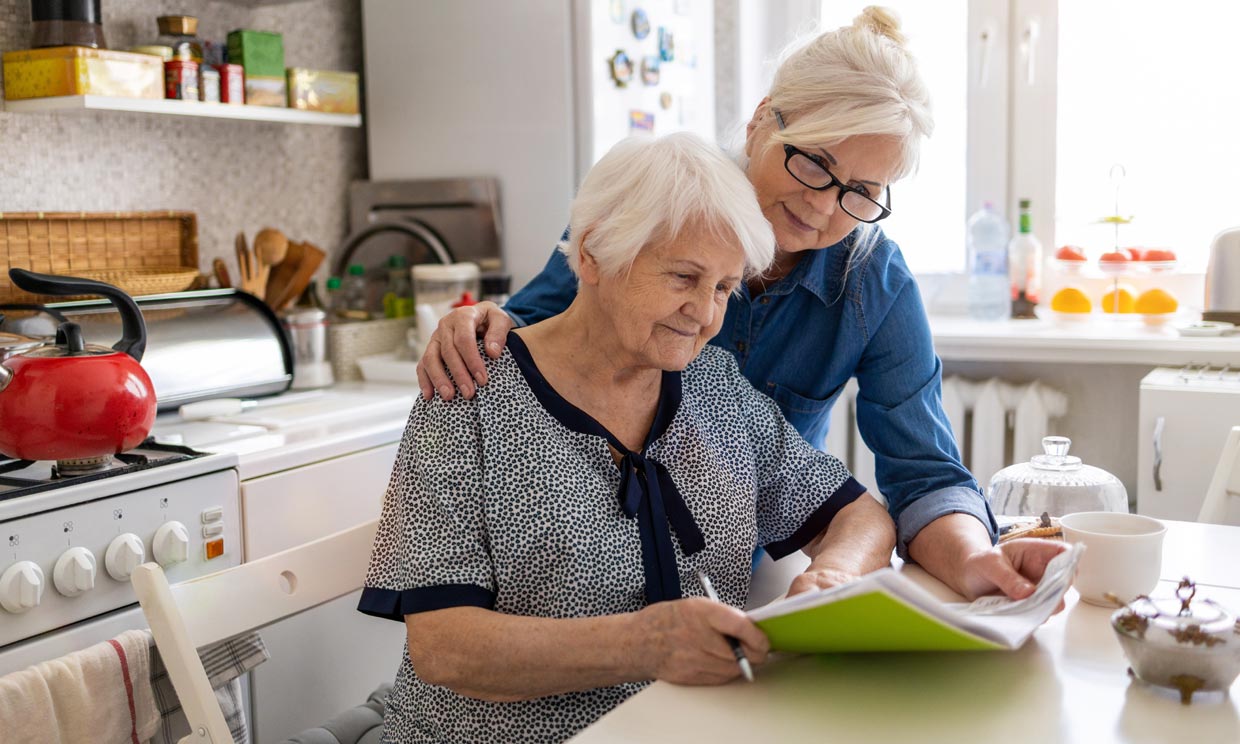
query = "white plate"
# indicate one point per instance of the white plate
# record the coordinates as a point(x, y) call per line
point(1206, 328)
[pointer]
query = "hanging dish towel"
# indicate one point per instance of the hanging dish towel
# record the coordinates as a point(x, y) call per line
point(101, 695)
point(224, 663)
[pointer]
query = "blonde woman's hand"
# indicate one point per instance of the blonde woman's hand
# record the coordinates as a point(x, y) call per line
point(454, 348)
point(1012, 568)
point(686, 644)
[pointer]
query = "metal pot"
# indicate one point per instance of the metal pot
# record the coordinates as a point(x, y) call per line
point(69, 400)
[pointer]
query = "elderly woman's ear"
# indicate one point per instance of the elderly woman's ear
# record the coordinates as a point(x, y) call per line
point(587, 266)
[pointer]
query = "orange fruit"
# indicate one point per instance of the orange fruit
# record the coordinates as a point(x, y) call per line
point(1156, 301)
point(1124, 303)
point(1071, 300)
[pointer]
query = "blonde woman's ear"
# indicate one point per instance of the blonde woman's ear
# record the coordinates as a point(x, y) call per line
point(759, 114)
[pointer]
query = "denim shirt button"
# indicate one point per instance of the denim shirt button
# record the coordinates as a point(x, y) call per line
point(765, 299)
point(740, 346)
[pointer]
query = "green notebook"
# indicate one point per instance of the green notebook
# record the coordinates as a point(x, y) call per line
point(887, 611)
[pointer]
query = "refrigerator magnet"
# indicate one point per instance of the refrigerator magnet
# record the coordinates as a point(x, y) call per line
point(641, 24)
point(621, 68)
point(641, 121)
point(667, 44)
point(615, 9)
point(650, 70)
point(665, 100)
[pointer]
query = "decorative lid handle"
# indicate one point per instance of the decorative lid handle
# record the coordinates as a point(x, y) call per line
point(1056, 446)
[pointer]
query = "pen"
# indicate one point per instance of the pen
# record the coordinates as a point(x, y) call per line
point(737, 651)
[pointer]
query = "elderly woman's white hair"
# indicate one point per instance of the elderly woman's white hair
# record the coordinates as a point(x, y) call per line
point(855, 80)
point(648, 189)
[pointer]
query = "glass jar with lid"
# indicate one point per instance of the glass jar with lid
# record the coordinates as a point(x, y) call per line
point(1055, 483)
point(180, 33)
point(441, 285)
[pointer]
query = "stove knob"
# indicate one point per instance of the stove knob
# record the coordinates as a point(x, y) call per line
point(124, 555)
point(21, 587)
point(171, 544)
point(75, 572)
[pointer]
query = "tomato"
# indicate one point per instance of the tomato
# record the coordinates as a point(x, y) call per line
point(1070, 253)
point(1114, 257)
point(1158, 254)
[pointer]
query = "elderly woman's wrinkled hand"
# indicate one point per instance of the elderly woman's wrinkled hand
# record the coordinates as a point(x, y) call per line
point(1012, 568)
point(820, 578)
point(685, 638)
point(454, 348)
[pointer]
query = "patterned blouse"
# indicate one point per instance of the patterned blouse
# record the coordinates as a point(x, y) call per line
point(512, 502)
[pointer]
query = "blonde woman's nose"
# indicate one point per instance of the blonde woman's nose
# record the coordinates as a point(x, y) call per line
point(823, 202)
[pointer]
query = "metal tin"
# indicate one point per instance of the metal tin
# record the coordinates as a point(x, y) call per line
point(181, 80)
point(232, 83)
point(209, 84)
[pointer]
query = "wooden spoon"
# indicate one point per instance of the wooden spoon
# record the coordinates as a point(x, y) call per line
point(270, 247)
point(221, 273)
point(244, 269)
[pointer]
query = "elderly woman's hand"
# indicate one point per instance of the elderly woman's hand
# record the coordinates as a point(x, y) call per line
point(685, 640)
point(820, 578)
point(454, 345)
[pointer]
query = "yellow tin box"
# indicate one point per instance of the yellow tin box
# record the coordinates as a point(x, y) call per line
point(75, 71)
point(322, 90)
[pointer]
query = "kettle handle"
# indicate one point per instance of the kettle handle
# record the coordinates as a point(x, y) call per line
point(133, 328)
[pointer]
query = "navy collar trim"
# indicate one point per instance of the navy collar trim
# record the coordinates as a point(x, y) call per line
point(647, 491)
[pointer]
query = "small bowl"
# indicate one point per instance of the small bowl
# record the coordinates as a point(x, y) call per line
point(1173, 643)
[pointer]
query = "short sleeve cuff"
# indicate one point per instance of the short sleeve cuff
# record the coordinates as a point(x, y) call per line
point(813, 526)
point(517, 320)
point(394, 604)
point(931, 506)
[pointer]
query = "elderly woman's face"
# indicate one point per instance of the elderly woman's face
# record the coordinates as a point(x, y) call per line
point(803, 218)
point(673, 299)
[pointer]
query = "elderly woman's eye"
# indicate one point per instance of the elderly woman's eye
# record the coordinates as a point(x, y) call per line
point(685, 277)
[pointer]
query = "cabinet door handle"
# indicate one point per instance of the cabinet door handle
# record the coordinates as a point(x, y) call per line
point(1159, 423)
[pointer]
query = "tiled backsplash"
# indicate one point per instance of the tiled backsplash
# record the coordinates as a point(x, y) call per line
point(237, 175)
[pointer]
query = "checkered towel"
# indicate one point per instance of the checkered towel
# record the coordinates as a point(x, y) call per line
point(224, 663)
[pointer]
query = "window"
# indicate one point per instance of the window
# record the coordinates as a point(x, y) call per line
point(1154, 87)
point(929, 208)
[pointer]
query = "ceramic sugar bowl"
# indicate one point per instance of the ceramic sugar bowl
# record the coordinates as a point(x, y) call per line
point(1178, 643)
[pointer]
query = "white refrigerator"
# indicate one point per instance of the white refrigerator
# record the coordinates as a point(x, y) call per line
point(527, 92)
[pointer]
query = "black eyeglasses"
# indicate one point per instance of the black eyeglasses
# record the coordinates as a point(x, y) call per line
point(811, 171)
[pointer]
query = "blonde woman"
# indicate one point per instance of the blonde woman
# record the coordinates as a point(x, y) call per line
point(842, 123)
point(541, 541)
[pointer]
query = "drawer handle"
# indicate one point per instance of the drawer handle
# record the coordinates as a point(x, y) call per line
point(1158, 432)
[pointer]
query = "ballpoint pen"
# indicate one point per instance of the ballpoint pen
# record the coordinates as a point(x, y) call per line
point(737, 651)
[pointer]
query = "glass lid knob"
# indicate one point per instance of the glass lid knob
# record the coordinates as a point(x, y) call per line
point(1056, 446)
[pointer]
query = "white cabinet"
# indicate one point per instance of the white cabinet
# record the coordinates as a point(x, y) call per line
point(332, 656)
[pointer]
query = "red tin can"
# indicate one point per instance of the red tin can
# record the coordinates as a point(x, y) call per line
point(232, 83)
point(181, 79)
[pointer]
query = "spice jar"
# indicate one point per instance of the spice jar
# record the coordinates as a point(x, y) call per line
point(179, 32)
point(1056, 483)
point(1192, 647)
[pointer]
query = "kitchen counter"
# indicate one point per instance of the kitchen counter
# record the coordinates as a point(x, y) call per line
point(1091, 341)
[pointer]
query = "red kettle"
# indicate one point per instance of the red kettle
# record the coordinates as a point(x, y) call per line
point(70, 400)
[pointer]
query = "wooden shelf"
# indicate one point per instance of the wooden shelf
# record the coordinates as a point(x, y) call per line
point(170, 107)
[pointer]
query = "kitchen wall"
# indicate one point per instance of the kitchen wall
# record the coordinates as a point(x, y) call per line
point(237, 175)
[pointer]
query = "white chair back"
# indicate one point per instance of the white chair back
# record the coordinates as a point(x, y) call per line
point(1222, 502)
point(202, 611)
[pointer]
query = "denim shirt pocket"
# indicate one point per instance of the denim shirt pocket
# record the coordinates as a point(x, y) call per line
point(809, 416)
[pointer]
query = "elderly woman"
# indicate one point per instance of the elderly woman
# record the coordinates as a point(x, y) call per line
point(843, 121)
point(542, 541)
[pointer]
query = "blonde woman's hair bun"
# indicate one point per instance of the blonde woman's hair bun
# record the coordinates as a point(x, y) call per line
point(881, 21)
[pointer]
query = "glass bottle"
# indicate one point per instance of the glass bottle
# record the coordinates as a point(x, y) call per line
point(179, 32)
point(353, 288)
point(1025, 266)
point(398, 299)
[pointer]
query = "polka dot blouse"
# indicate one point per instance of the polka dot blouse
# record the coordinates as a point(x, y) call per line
point(512, 502)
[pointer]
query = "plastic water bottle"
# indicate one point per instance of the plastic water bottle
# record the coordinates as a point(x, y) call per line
point(989, 293)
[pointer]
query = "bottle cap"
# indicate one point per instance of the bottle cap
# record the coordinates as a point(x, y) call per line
point(356, 270)
point(333, 282)
point(397, 262)
point(466, 300)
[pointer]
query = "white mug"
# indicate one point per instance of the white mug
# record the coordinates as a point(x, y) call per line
point(1123, 554)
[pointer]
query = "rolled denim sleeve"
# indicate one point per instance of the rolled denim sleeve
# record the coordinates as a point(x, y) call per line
point(548, 294)
point(901, 418)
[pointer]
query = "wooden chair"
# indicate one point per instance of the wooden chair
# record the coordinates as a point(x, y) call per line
point(187, 616)
point(1222, 502)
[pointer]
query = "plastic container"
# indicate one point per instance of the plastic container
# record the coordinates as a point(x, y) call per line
point(1055, 483)
point(441, 285)
point(353, 290)
point(989, 293)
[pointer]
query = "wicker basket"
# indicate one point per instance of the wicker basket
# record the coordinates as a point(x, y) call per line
point(348, 342)
point(141, 252)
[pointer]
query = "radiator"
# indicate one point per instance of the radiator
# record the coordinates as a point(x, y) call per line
point(996, 423)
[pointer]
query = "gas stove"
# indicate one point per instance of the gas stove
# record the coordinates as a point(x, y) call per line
point(25, 477)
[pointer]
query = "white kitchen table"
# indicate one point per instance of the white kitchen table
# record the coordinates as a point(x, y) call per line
point(1069, 683)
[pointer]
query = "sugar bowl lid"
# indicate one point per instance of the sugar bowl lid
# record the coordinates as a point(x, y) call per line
point(1185, 623)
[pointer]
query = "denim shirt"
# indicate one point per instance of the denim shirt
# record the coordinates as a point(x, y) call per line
point(803, 338)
